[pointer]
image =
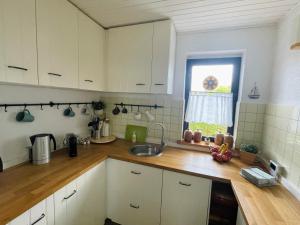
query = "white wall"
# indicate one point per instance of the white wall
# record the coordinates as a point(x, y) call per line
point(256, 43)
point(13, 134)
point(286, 80)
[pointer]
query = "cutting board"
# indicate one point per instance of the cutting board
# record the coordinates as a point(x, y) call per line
point(140, 131)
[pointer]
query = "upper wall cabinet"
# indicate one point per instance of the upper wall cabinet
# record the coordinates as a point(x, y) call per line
point(91, 54)
point(141, 58)
point(164, 45)
point(18, 58)
point(129, 58)
point(57, 38)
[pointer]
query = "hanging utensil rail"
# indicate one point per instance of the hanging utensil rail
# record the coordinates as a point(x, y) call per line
point(137, 105)
point(51, 104)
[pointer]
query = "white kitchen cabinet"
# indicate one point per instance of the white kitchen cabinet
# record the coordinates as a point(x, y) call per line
point(57, 43)
point(129, 58)
point(164, 45)
point(240, 218)
point(133, 193)
point(66, 205)
point(50, 210)
point(23, 219)
point(18, 56)
point(185, 199)
point(83, 201)
point(92, 196)
point(40, 214)
point(91, 54)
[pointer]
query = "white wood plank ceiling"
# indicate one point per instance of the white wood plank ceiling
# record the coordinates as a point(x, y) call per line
point(188, 15)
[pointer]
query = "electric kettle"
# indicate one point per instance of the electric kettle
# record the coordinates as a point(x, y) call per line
point(41, 149)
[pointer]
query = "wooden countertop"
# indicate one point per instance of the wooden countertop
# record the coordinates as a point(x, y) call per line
point(24, 186)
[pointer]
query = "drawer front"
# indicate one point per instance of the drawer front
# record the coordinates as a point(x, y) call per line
point(185, 199)
point(134, 193)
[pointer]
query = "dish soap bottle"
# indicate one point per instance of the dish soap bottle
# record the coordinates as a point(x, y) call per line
point(133, 138)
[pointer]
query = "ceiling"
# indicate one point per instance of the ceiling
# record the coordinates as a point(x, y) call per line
point(188, 15)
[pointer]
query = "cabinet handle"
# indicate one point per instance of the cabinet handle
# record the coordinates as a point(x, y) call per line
point(134, 206)
point(140, 84)
point(18, 68)
point(55, 74)
point(159, 84)
point(89, 81)
point(136, 172)
point(74, 192)
point(39, 219)
point(184, 184)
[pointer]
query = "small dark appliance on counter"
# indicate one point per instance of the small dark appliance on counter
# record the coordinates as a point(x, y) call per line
point(72, 141)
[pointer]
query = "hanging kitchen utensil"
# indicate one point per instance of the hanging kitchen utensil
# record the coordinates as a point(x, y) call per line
point(116, 110)
point(124, 110)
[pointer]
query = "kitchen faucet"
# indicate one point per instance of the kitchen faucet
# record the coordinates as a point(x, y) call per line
point(162, 140)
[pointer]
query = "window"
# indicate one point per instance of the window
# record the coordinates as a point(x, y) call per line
point(211, 94)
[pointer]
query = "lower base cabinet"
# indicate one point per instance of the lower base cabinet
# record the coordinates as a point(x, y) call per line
point(185, 199)
point(142, 195)
point(83, 200)
point(133, 193)
point(92, 196)
point(240, 218)
point(40, 214)
point(128, 194)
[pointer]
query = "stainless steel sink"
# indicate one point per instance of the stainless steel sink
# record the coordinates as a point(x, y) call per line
point(146, 150)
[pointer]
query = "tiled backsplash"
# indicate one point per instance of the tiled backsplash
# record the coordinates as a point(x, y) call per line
point(274, 129)
point(250, 124)
point(281, 139)
point(171, 116)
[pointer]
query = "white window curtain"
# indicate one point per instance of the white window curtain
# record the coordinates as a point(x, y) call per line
point(211, 108)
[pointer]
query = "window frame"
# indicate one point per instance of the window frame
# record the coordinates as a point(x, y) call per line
point(236, 61)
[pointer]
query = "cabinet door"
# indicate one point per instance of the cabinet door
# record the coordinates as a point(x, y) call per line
point(18, 56)
point(57, 38)
point(92, 196)
point(38, 214)
point(129, 58)
point(185, 199)
point(50, 210)
point(23, 219)
point(133, 193)
point(73, 204)
point(164, 44)
point(91, 54)
point(60, 207)
point(240, 218)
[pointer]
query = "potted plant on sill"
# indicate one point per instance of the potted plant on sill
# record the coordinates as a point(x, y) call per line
point(248, 153)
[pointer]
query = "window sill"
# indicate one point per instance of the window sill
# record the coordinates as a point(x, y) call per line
point(202, 144)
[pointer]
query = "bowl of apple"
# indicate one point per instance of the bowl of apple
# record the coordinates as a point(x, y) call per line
point(221, 154)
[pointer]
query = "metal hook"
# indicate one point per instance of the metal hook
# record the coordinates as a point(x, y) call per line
point(25, 106)
point(57, 106)
point(42, 107)
point(77, 105)
point(5, 108)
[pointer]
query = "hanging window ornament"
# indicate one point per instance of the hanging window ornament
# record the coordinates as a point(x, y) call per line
point(210, 83)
